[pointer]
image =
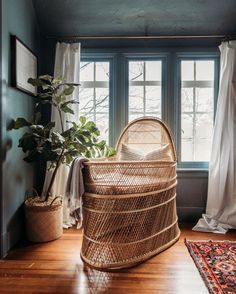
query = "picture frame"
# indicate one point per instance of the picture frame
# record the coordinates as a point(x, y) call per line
point(24, 65)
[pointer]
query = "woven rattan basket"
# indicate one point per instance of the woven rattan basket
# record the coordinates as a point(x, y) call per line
point(129, 207)
point(43, 222)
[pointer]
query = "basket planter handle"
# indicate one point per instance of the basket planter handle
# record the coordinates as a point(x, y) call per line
point(28, 193)
point(55, 199)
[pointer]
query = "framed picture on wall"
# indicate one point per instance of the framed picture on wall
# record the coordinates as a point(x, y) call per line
point(23, 66)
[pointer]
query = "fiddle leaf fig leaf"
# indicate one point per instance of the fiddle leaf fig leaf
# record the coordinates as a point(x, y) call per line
point(68, 90)
point(58, 80)
point(45, 87)
point(70, 102)
point(50, 125)
point(32, 156)
point(101, 144)
point(82, 120)
point(59, 98)
point(71, 84)
point(91, 127)
point(35, 82)
point(57, 137)
point(45, 95)
point(66, 109)
point(27, 142)
point(110, 151)
point(46, 78)
point(20, 122)
point(49, 155)
point(68, 158)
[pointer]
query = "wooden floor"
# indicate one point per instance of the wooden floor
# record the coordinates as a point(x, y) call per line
point(56, 267)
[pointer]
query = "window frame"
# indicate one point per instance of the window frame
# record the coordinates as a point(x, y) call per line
point(171, 86)
point(95, 57)
point(196, 57)
point(163, 57)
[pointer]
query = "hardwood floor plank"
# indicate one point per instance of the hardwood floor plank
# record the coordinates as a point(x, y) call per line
point(56, 267)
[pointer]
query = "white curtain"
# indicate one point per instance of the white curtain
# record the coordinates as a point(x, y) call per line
point(67, 65)
point(221, 202)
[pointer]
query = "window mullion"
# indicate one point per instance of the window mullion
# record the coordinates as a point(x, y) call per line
point(144, 88)
point(194, 114)
point(94, 92)
point(197, 80)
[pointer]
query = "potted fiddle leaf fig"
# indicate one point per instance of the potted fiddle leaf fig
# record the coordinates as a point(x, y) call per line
point(43, 142)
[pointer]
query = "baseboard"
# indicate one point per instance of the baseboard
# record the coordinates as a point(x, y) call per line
point(190, 214)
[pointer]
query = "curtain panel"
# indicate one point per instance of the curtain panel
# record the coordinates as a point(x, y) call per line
point(67, 65)
point(221, 201)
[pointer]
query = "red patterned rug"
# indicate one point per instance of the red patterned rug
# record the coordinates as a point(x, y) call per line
point(216, 262)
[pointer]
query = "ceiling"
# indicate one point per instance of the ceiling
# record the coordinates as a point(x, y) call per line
point(135, 17)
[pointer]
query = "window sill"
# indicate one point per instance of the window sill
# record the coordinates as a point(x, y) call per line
point(193, 166)
point(192, 169)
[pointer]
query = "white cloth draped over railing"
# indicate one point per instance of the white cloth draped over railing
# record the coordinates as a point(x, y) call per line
point(67, 65)
point(221, 202)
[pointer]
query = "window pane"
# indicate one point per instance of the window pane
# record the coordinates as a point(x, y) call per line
point(94, 94)
point(144, 88)
point(102, 95)
point(187, 70)
point(197, 109)
point(153, 70)
point(205, 70)
point(135, 99)
point(204, 128)
point(205, 99)
point(187, 99)
point(133, 116)
point(187, 127)
point(136, 69)
point(101, 120)
point(86, 103)
point(86, 71)
point(153, 98)
point(102, 71)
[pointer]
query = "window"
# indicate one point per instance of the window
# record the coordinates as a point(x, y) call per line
point(94, 94)
point(197, 109)
point(144, 88)
point(179, 87)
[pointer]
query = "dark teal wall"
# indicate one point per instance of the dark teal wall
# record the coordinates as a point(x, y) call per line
point(18, 18)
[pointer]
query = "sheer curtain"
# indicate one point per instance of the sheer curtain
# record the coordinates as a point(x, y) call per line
point(221, 202)
point(67, 65)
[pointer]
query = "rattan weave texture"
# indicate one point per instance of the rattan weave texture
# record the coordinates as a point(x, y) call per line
point(129, 207)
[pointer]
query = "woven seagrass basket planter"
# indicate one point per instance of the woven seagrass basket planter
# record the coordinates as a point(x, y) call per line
point(43, 221)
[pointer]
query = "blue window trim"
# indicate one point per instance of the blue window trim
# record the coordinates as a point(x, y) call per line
point(192, 56)
point(119, 58)
point(91, 57)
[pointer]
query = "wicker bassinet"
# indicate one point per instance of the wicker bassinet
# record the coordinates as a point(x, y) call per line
point(129, 206)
